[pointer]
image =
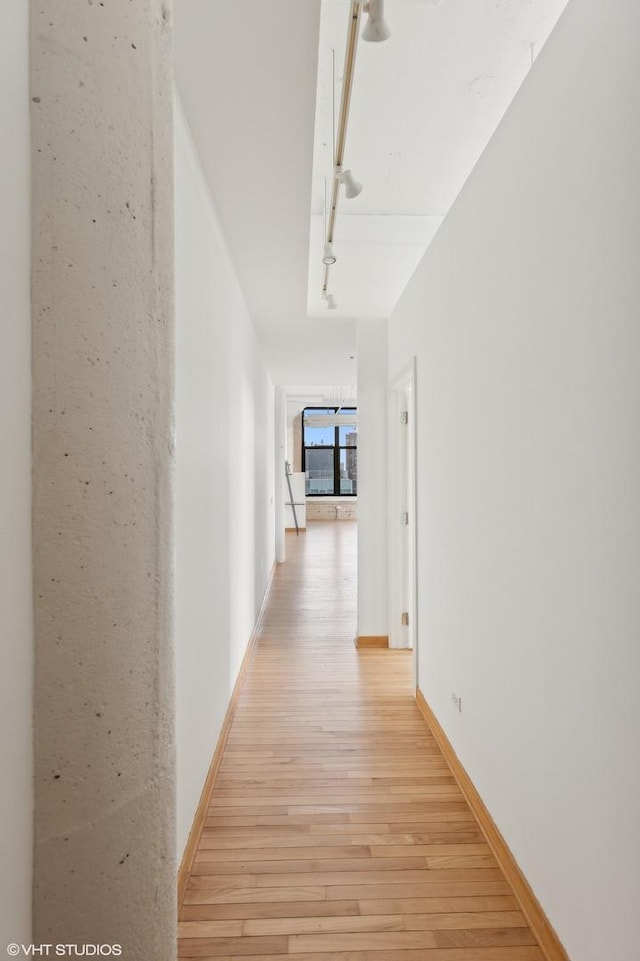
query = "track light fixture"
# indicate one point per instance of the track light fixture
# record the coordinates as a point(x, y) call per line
point(330, 299)
point(328, 256)
point(351, 186)
point(376, 28)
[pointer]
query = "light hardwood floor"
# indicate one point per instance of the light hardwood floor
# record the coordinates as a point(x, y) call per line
point(336, 830)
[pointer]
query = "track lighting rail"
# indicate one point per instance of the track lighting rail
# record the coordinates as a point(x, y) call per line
point(341, 137)
point(376, 29)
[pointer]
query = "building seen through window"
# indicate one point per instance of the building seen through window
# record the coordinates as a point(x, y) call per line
point(330, 451)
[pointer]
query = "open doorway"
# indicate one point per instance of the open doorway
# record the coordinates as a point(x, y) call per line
point(403, 632)
point(322, 452)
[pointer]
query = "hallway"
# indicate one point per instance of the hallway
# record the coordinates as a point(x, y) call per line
point(336, 830)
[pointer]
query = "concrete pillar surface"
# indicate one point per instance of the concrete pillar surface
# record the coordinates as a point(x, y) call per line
point(102, 443)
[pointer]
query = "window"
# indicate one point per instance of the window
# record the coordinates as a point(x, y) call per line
point(330, 451)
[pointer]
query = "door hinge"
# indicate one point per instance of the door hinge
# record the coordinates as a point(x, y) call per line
point(404, 417)
point(405, 618)
point(404, 517)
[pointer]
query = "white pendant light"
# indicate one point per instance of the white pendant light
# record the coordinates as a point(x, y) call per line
point(328, 256)
point(376, 28)
point(351, 186)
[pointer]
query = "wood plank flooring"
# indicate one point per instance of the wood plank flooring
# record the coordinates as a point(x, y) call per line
point(336, 830)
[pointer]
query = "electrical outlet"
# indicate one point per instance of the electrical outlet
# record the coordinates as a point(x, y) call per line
point(457, 700)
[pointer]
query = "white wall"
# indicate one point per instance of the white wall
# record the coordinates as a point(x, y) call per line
point(524, 317)
point(372, 478)
point(294, 408)
point(16, 647)
point(224, 511)
point(279, 484)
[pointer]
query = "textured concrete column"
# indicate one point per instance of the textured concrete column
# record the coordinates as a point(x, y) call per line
point(103, 408)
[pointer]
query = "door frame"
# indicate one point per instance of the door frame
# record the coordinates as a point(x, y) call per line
point(403, 569)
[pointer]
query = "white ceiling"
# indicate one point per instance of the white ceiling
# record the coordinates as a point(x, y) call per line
point(424, 106)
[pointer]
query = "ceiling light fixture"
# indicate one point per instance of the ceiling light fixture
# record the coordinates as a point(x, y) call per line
point(328, 257)
point(376, 28)
point(329, 299)
point(331, 302)
point(351, 186)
